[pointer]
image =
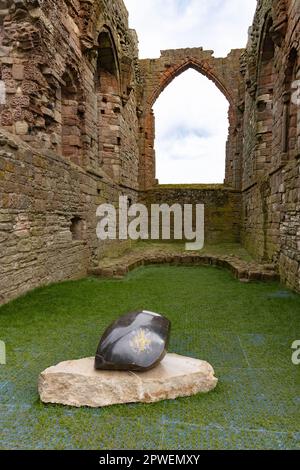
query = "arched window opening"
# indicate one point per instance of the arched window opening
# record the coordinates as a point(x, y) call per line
point(264, 102)
point(191, 131)
point(289, 133)
point(70, 120)
point(109, 106)
point(106, 58)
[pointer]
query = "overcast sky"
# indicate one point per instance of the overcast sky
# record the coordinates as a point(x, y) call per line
point(191, 114)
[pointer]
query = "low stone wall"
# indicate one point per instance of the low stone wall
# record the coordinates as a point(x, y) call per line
point(241, 270)
point(222, 207)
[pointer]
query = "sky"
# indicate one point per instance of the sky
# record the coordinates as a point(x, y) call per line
point(191, 114)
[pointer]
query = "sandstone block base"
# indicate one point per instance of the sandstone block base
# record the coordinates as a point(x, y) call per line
point(77, 383)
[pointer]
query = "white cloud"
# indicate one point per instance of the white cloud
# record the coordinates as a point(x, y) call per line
point(191, 114)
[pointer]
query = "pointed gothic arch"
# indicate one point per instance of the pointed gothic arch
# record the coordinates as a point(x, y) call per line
point(107, 58)
point(189, 63)
point(159, 73)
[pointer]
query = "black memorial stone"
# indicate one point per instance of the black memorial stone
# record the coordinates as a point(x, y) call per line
point(135, 342)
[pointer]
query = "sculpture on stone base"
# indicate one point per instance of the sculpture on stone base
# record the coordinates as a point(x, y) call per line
point(131, 366)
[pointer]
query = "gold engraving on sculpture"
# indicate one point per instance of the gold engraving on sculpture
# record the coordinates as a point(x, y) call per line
point(141, 341)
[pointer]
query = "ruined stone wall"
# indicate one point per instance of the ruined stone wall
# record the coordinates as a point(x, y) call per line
point(68, 137)
point(47, 218)
point(53, 57)
point(271, 164)
point(157, 74)
point(222, 208)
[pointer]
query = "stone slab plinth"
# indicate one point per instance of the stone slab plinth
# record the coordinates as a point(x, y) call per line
point(77, 383)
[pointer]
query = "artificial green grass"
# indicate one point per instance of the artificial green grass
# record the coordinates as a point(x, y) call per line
point(244, 330)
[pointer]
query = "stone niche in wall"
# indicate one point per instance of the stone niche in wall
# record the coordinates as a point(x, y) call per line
point(72, 112)
point(109, 106)
point(264, 102)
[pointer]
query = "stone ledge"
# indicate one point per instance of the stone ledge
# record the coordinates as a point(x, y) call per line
point(242, 270)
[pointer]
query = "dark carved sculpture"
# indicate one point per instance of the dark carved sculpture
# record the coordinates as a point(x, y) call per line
point(135, 342)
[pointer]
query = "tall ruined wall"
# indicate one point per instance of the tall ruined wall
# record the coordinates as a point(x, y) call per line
point(68, 140)
point(157, 74)
point(70, 67)
point(271, 157)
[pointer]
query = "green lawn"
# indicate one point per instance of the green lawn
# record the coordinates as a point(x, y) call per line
point(244, 330)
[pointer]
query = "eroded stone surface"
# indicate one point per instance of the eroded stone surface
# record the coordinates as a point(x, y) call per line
point(77, 383)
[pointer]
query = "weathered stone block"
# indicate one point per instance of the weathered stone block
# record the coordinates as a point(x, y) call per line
point(21, 127)
point(77, 383)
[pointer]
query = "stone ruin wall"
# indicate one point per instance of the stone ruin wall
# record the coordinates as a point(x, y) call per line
point(271, 170)
point(68, 137)
point(157, 74)
point(70, 69)
point(77, 130)
point(222, 208)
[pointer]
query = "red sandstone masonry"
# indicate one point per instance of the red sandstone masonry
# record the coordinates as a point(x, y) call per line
point(159, 73)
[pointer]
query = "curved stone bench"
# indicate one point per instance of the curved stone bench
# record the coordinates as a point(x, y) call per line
point(241, 270)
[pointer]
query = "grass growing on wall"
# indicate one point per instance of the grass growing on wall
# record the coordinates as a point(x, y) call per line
point(244, 330)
